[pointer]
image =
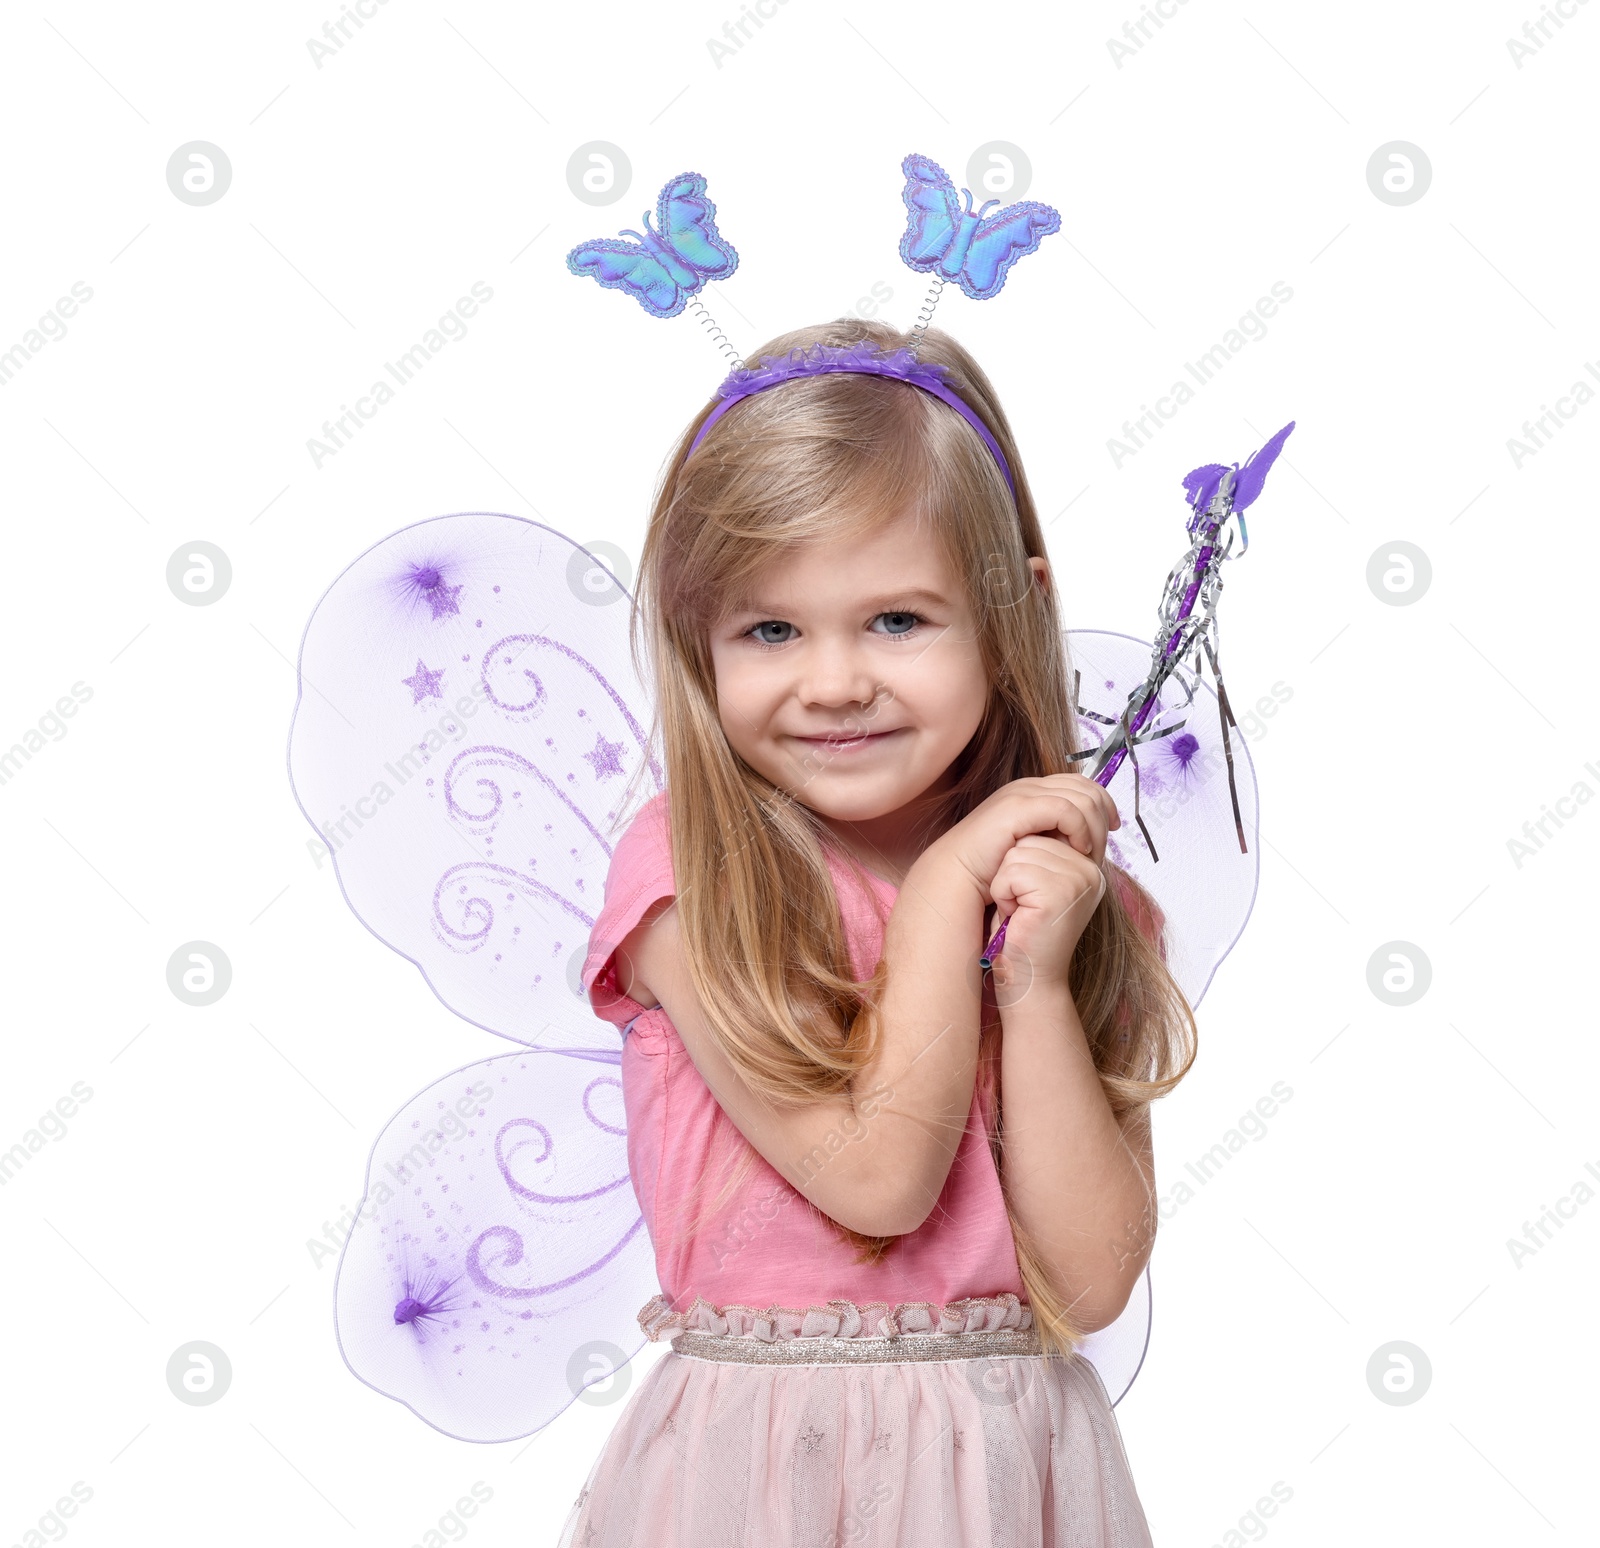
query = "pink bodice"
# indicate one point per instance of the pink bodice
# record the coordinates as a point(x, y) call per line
point(767, 1246)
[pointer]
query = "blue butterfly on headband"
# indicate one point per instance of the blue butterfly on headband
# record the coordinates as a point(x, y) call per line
point(958, 242)
point(677, 256)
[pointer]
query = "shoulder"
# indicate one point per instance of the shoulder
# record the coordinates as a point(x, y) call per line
point(643, 855)
point(639, 884)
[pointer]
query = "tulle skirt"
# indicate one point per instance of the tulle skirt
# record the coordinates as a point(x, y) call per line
point(904, 1444)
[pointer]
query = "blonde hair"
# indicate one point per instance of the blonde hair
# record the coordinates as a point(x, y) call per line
point(837, 455)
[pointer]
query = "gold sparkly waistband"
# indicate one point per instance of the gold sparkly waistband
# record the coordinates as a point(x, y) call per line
point(745, 1349)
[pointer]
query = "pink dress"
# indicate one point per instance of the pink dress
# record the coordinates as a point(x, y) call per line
point(812, 1401)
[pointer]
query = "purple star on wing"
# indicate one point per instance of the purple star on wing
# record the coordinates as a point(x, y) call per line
point(606, 758)
point(441, 598)
point(423, 683)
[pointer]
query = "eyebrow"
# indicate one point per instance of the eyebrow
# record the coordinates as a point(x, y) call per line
point(881, 603)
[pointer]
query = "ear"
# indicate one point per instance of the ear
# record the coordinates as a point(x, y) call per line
point(1041, 571)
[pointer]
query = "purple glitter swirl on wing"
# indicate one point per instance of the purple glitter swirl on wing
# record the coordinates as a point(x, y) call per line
point(514, 1254)
point(535, 706)
point(591, 1114)
point(480, 910)
point(475, 759)
point(503, 1161)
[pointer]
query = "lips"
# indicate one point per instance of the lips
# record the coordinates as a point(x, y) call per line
point(843, 740)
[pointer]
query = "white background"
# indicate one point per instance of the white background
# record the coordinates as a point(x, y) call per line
point(1227, 152)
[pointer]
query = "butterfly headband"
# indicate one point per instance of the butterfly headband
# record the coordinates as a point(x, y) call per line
point(666, 267)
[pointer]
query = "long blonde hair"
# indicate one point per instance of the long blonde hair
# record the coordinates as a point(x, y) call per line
point(833, 455)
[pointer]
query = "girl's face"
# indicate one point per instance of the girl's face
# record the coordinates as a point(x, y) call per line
point(853, 680)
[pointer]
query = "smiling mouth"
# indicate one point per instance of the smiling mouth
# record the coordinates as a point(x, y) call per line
point(847, 741)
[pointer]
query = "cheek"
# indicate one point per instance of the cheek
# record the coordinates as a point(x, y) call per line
point(739, 701)
point(950, 691)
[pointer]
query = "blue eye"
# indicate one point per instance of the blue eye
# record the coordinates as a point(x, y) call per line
point(754, 632)
point(901, 624)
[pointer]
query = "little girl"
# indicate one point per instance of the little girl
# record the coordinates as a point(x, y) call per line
point(887, 1193)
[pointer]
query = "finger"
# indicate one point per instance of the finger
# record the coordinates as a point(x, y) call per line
point(1039, 857)
point(1055, 892)
point(1034, 859)
point(1105, 801)
point(1043, 843)
point(1087, 833)
point(1102, 797)
point(1078, 821)
point(1086, 791)
point(1049, 812)
point(1093, 888)
point(1047, 856)
point(1003, 894)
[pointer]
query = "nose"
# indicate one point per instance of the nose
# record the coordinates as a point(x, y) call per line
point(836, 674)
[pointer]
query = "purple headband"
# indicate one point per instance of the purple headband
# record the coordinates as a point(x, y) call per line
point(861, 359)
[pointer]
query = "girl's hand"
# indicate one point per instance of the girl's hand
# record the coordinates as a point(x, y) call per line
point(1046, 892)
point(1035, 849)
point(1070, 807)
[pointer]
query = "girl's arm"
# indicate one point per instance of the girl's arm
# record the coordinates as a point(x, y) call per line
point(875, 1158)
point(1080, 1183)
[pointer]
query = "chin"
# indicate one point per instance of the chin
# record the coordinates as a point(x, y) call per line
point(844, 801)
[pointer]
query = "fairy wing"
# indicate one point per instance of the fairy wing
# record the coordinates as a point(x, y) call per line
point(496, 1265)
point(1117, 1352)
point(1000, 241)
point(464, 741)
point(467, 735)
point(629, 266)
point(1204, 886)
point(687, 219)
point(933, 211)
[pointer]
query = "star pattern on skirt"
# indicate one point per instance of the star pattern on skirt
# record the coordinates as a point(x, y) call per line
point(583, 1494)
point(670, 1425)
point(812, 1437)
point(588, 1532)
point(882, 1441)
point(958, 1443)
